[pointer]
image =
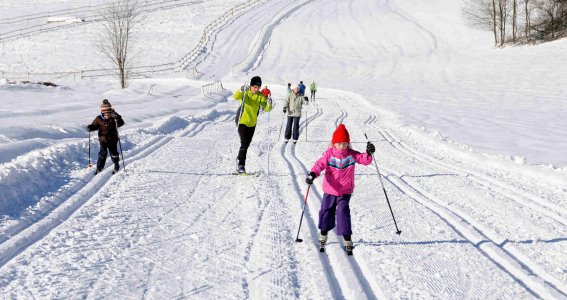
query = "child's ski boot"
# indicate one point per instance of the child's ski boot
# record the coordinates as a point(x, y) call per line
point(348, 247)
point(322, 242)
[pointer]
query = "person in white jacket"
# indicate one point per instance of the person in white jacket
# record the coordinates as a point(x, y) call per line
point(292, 106)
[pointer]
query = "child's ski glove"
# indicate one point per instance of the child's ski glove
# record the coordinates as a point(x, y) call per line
point(370, 148)
point(310, 177)
point(244, 88)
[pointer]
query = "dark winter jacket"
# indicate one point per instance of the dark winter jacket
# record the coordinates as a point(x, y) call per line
point(301, 87)
point(107, 131)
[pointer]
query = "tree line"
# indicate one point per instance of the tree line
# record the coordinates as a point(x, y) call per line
point(518, 21)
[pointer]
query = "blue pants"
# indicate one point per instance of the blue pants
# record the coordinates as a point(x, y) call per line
point(288, 130)
point(331, 205)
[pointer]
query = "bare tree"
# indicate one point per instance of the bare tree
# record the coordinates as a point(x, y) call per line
point(514, 19)
point(502, 16)
point(527, 28)
point(481, 14)
point(544, 19)
point(120, 18)
point(550, 19)
point(494, 21)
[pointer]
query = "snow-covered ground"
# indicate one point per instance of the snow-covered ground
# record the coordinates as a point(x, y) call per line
point(469, 140)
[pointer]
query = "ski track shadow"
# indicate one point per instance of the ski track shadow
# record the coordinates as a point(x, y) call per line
point(404, 243)
point(551, 241)
point(189, 173)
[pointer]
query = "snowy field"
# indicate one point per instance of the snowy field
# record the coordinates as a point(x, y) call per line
point(470, 141)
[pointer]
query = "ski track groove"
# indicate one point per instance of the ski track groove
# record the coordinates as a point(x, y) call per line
point(332, 281)
point(517, 269)
point(21, 240)
point(536, 203)
point(492, 246)
point(343, 115)
point(365, 283)
point(498, 241)
point(255, 247)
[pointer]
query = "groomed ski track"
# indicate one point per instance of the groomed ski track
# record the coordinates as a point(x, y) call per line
point(154, 223)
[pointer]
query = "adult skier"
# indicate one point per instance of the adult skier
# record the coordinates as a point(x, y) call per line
point(251, 100)
point(301, 88)
point(338, 162)
point(107, 124)
point(313, 89)
point(292, 106)
point(266, 92)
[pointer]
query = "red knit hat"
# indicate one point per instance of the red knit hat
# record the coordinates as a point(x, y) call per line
point(341, 135)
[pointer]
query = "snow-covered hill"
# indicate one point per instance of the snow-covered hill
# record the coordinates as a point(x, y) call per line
point(469, 140)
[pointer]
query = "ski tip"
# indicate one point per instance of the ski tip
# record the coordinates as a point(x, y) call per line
point(298, 240)
point(399, 232)
point(321, 250)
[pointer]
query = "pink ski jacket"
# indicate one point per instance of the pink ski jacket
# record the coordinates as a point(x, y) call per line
point(339, 169)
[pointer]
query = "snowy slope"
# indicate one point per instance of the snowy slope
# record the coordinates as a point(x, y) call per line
point(178, 224)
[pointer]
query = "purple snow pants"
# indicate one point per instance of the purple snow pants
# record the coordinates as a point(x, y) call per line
point(339, 205)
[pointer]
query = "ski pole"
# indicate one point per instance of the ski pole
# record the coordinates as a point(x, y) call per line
point(270, 105)
point(297, 239)
point(398, 231)
point(120, 144)
point(239, 117)
point(306, 117)
point(90, 164)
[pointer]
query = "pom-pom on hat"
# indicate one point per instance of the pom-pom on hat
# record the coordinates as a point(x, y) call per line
point(105, 107)
point(341, 135)
point(256, 80)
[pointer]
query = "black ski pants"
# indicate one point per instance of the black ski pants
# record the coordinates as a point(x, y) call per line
point(292, 122)
point(105, 147)
point(246, 133)
point(313, 95)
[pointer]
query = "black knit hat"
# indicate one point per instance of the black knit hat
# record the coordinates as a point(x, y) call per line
point(256, 80)
point(105, 107)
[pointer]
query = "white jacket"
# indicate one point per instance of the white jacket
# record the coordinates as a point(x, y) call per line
point(294, 103)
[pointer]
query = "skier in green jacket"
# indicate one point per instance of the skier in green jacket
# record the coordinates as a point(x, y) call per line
point(313, 89)
point(247, 115)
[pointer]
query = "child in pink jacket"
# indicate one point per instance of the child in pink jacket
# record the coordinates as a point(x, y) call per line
point(338, 162)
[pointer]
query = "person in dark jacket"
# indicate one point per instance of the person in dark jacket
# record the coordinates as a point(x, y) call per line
point(107, 124)
point(301, 88)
